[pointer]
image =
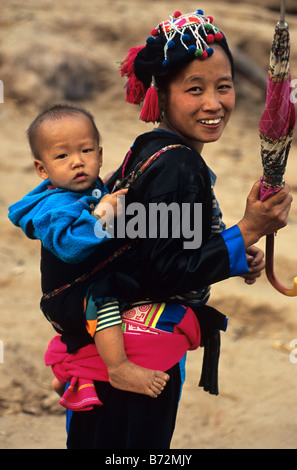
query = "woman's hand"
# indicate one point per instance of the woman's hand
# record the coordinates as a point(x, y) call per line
point(264, 217)
point(255, 260)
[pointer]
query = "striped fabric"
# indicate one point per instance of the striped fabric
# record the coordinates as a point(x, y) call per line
point(108, 315)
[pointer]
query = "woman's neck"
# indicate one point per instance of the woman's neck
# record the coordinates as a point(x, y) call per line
point(164, 126)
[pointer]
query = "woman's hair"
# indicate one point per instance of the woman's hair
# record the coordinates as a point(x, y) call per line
point(56, 112)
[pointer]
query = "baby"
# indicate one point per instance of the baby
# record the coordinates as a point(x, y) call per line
point(61, 212)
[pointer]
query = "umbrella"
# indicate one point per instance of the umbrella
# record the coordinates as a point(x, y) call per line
point(276, 131)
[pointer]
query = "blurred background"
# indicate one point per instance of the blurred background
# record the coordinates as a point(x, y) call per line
point(69, 51)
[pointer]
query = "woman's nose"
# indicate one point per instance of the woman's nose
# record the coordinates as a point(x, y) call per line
point(211, 102)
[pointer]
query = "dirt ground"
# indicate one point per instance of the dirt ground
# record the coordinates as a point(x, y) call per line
point(69, 51)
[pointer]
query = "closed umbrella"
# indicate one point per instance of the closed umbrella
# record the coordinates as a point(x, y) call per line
point(276, 131)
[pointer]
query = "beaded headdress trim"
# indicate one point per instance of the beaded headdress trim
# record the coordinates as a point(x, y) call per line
point(196, 22)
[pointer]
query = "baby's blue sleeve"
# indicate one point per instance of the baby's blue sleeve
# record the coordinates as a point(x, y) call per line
point(72, 234)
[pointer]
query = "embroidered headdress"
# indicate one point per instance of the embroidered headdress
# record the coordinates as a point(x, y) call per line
point(172, 44)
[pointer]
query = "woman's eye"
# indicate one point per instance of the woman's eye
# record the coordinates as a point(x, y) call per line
point(195, 89)
point(225, 87)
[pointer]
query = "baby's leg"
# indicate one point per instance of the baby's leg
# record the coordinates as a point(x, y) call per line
point(124, 374)
point(58, 387)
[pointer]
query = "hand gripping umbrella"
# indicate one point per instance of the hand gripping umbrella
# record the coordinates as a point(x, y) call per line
point(276, 131)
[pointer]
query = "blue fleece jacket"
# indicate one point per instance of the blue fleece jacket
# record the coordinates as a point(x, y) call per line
point(61, 219)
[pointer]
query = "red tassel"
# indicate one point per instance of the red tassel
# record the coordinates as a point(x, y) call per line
point(135, 90)
point(151, 111)
point(127, 65)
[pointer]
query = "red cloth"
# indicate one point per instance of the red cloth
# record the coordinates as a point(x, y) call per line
point(154, 351)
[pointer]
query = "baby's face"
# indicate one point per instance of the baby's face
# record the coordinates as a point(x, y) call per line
point(70, 156)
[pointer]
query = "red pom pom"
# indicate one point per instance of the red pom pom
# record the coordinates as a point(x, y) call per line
point(151, 111)
point(204, 55)
point(154, 32)
point(210, 38)
point(218, 36)
point(177, 14)
point(210, 19)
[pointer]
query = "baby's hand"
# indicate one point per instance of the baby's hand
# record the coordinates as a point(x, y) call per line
point(110, 205)
point(255, 260)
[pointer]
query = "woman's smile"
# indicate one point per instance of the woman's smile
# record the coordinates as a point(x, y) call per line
point(214, 122)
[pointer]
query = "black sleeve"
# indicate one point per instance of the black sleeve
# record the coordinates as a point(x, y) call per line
point(155, 267)
point(178, 185)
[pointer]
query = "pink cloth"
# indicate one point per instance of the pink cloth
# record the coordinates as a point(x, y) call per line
point(279, 115)
point(154, 351)
point(267, 192)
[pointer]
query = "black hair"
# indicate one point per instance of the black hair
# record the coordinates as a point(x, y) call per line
point(52, 113)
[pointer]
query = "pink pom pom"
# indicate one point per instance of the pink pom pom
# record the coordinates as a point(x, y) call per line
point(218, 36)
point(151, 111)
point(204, 55)
point(210, 38)
point(154, 32)
point(210, 19)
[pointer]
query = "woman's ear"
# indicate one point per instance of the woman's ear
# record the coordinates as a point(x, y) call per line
point(40, 170)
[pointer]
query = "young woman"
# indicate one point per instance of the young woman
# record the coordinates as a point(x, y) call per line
point(185, 75)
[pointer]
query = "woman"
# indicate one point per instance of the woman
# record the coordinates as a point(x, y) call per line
point(185, 71)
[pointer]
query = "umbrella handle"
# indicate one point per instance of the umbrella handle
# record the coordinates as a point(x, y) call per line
point(270, 272)
point(283, 11)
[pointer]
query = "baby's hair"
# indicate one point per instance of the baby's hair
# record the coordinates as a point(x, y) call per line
point(56, 112)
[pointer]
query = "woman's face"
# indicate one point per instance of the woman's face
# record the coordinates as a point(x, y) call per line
point(200, 100)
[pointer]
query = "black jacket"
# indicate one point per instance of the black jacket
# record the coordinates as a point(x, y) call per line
point(153, 268)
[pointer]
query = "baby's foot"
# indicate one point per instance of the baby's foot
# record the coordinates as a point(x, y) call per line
point(58, 387)
point(133, 378)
